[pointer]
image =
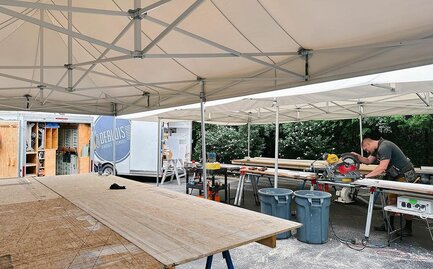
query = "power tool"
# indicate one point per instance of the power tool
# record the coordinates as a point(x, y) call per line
point(345, 170)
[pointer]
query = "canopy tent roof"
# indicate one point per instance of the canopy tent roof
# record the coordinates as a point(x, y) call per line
point(408, 98)
point(143, 55)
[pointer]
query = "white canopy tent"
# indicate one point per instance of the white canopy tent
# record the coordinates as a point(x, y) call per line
point(84, 56)
point(407, 98)
point(119, 57)
point(366, 101)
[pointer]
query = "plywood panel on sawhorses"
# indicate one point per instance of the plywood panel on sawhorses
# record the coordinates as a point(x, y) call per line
point(173, 227)
point(41, 230)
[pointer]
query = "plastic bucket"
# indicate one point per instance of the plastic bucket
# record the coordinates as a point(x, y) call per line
point(312, 210)
point(276, 202)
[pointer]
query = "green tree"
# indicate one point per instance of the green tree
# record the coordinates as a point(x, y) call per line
point(308, 140)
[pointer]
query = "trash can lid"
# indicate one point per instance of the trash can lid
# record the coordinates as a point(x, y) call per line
point(275, 191)
point(312, 194)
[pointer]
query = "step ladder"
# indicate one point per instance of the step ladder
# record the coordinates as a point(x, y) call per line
point(174, 166)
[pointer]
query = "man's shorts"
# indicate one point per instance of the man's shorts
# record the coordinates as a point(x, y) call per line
point(393, 195)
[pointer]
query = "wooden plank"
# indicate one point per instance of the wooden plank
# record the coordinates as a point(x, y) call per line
point(48, 138)
point(269, 242)
point(281, 173)
point(395, 185)
point(50, 162)
point(293, 163)
point(54, 233)
point(55, 138)
point(8, 149)
point(84, 133)
point(84, 165)
point(173, 227)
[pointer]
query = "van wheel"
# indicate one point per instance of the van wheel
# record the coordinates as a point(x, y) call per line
point(108, 169)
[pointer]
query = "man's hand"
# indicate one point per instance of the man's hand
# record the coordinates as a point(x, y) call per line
point(355, 154)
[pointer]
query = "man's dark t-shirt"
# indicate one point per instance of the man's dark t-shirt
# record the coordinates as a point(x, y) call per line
point(387, 150)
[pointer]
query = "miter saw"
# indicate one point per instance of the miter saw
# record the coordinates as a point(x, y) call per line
point(344, 169)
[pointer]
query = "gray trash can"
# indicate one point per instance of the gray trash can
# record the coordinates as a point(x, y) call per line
point(276, 202)
point(312, 210)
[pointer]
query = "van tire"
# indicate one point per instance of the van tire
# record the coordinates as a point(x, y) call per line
point(108, 169)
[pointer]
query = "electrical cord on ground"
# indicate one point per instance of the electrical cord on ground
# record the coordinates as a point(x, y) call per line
point(350, 243)
point(371, 245)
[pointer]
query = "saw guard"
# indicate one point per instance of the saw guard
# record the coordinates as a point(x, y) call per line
point(349, 163)
point(344, 169)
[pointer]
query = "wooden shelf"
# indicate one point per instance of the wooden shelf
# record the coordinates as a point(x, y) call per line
point(30, 164)
point(51, 138)
point(30, 152)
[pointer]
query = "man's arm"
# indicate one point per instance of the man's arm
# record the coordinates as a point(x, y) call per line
point(380, 169)
point(364, 160)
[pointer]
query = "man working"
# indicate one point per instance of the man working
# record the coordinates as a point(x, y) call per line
point(395, 165)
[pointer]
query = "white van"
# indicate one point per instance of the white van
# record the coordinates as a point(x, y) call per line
point(137, 145)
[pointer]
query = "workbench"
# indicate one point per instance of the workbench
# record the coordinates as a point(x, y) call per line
point(400, 188)
point(194, 180)
point(254, 173)
point(173, 228)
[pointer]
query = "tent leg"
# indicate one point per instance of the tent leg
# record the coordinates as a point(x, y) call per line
point(361, 112)
point(277, 130)
point(203, 139)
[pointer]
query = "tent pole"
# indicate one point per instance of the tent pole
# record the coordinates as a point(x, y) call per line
point(360, 134)
point(203, 138)
point(361, 112)
point(158, 158)
point(277, 130)
point(41, 51)
point(249, 137)
point(68, 66)
point(137, 27)
point(114, 137)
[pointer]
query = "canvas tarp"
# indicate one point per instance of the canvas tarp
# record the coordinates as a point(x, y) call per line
point(165, 53)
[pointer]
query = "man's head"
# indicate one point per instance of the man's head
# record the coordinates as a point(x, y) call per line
point(369, 145)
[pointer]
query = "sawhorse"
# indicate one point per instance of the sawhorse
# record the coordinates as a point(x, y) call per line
point(226, 256)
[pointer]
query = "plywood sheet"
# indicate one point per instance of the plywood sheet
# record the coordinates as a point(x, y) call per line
point(21, 190)
point(54, 233)
point(173, 227)
point(8, 149)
